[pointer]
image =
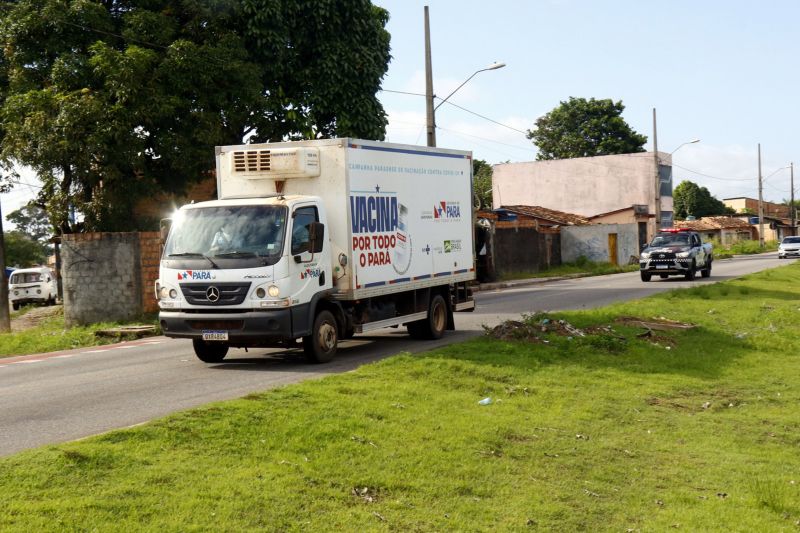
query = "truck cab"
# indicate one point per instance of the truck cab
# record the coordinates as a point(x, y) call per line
point(265, 258)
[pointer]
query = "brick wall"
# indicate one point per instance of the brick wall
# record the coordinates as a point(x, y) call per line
point(108, 276)
point(149, 258)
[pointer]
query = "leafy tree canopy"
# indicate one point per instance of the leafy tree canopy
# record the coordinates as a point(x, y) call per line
point(114, 101)
point(32, 221)
point(584, 128)
point(22, 251)
point(690, 199)
point(482, 183)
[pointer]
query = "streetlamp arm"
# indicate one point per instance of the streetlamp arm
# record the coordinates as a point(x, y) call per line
point(494, 66)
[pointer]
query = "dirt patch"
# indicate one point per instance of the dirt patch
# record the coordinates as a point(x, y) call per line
point(536, 328)
point(34, 317)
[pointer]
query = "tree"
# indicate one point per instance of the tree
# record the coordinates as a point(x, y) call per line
point(689, 199)
point(32, 221)
point(110, 102)
point(482, 183)
point(22, 251)
point(584, 128)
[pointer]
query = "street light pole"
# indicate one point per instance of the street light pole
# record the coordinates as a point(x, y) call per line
point(657, 207)
point(760, 202)
point(5, 317)
point(431, 120)
point(429, 107)
point(792, 212)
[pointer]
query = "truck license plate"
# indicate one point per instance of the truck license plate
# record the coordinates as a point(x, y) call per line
point(662, 266)
point(215, 335)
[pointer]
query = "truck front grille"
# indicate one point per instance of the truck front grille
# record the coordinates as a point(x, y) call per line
point(224, 293)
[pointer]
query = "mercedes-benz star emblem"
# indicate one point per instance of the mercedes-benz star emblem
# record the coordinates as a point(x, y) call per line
point(212, 294)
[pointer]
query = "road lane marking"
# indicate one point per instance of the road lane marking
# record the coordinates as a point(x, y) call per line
point(27, 362)
point(65, 356)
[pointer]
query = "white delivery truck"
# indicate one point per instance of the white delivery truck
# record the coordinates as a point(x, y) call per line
point(319, 240)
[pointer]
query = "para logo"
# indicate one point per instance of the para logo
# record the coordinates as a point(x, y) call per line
point(311, 273)
point(195, 275)
point(447, 211)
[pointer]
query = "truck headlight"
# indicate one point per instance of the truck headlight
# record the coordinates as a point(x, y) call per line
point(260, 292)
point(645, 255)
point(163, 293)
point(274, 291)
point(683, 254)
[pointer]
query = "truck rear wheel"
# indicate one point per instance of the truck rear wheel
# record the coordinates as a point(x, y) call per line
point(320, 346)
point(209, 353)
point(434, 325)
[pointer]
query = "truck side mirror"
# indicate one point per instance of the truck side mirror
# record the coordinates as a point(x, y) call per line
point(316, 237)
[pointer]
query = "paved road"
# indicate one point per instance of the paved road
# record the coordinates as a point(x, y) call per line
point(57, 397)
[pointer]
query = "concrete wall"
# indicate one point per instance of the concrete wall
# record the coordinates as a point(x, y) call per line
point(592, 242)
point(586, 186)
point(104, 277)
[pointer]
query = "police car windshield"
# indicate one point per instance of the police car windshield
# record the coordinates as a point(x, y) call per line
point(670, 239)
point(228, 231)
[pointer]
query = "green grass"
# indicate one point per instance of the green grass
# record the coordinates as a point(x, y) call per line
point(608, 432)
point(748, 247)
point(52, 335)
point(582, 267)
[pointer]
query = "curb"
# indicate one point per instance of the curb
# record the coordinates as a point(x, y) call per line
point(518, 283)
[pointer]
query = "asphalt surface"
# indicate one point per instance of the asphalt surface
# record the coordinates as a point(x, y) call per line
point(62, 396)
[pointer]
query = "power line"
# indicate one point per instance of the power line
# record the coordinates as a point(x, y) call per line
point(710, 176)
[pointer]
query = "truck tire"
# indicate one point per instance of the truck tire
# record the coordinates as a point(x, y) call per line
point(434, 325)
point(706, 272)
point(209, 352)
point(15, 305)
point(691, 272)
point(645, 275)
point(320, 346)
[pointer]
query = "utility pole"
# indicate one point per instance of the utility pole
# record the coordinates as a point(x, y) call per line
point(5, 318)
point(760, 202)
point(431, 121)
point(658, 175)
point(792, 212)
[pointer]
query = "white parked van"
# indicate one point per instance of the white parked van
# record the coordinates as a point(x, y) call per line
point(32, 285)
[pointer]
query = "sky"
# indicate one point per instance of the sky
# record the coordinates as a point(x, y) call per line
point(722, 71)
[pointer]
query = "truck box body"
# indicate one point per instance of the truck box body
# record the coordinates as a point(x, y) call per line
point(320, 240)
point(400, 214)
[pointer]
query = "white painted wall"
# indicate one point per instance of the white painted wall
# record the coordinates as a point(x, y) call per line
point(592, 242)
point(586, 186)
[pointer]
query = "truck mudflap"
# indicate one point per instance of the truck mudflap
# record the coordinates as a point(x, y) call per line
point(249, 328)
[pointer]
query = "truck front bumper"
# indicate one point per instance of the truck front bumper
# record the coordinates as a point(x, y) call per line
point(666, 266)
point(248, 328)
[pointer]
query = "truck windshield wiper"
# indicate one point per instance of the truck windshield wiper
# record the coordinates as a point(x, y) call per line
point(236, 253)
point(194, 254)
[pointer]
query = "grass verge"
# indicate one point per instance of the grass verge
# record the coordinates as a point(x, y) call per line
point(52, 335)
point(747, 247)
point(694, 429)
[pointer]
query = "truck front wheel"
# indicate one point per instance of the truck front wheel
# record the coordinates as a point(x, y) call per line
point(645, 275)
point(209, 353)
point(434, 325)
point(320, 346)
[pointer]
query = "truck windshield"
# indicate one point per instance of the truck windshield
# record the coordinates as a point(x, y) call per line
point(229, 232)
point(671, 239)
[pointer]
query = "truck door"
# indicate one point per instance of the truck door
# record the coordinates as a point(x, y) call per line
point(308, 271)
